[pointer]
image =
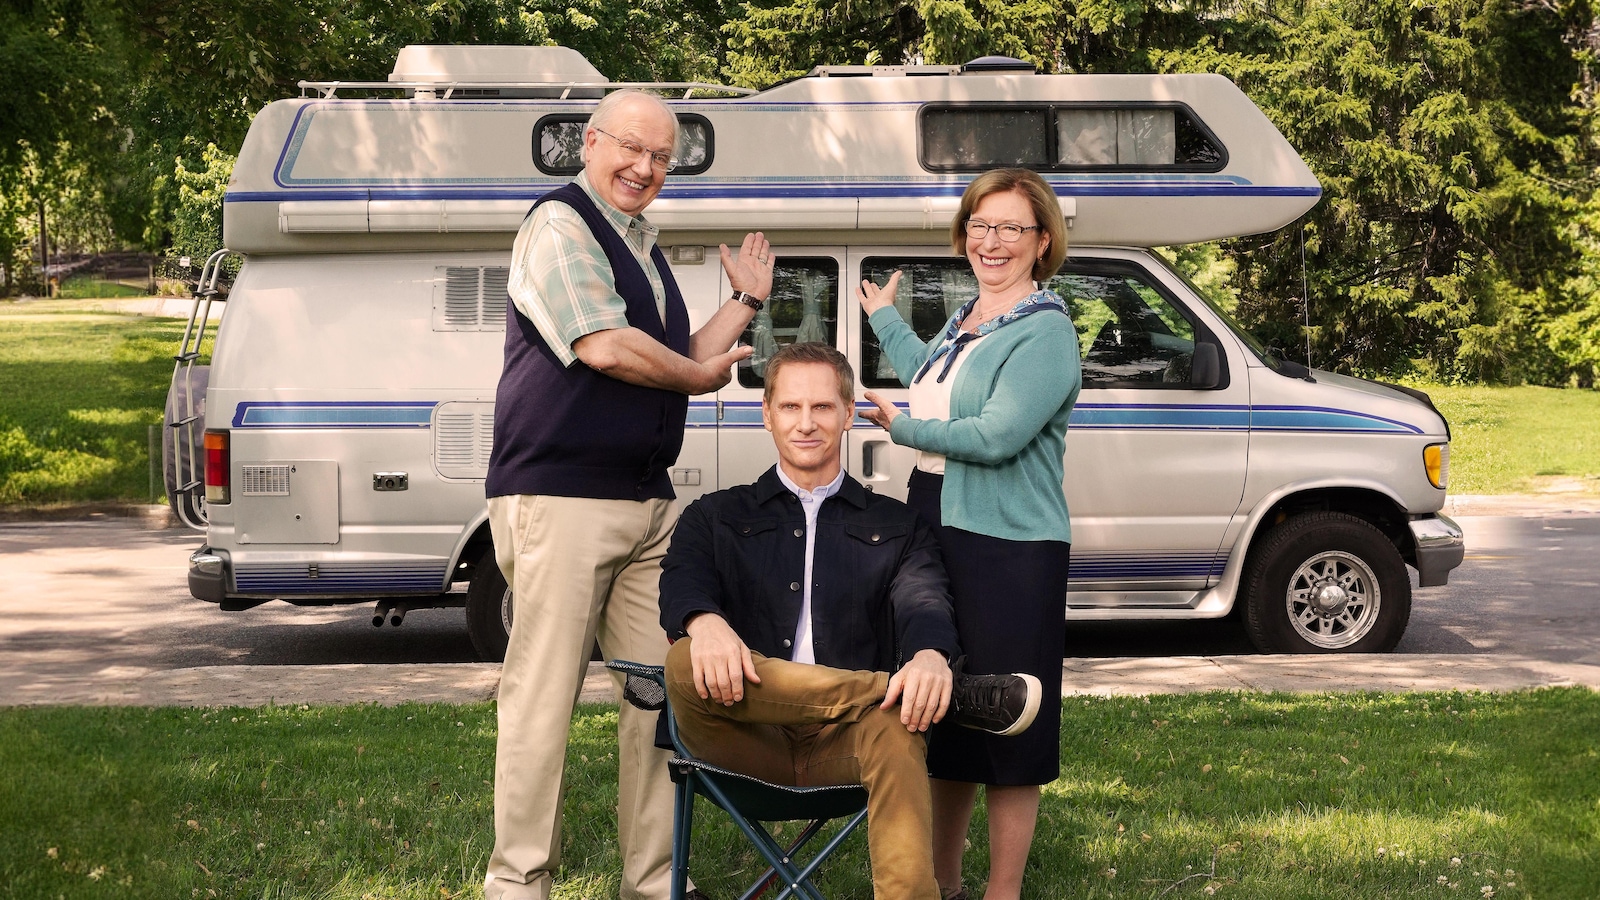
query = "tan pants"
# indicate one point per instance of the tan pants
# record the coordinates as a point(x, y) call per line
point(808, 725)
point(579, 569)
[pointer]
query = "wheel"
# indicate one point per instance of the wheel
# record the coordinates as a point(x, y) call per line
point(489, 609)
point(1326, 582)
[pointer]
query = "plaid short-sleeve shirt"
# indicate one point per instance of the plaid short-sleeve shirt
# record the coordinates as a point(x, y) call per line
point(561, 279)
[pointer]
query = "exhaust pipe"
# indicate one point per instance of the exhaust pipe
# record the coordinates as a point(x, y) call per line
point(398, 614)
point(381, 612)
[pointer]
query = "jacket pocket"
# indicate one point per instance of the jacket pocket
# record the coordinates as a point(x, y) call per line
point(749, 528)
point(878, 535)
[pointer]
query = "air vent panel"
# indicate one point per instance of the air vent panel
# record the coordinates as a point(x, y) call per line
point(264, 481)
point(470, 298)
point(463, 434)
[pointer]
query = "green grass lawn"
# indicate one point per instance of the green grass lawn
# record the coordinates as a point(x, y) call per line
point(80, 287)
point(1443, 795)
point(78, 392)
point(1520, 439)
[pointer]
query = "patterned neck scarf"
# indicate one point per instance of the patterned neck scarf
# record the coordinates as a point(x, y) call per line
point(955, 339)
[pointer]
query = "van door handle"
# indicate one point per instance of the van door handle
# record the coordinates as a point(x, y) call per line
point(869, 454)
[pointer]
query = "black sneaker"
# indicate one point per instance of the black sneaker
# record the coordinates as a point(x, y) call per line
point(999, 704)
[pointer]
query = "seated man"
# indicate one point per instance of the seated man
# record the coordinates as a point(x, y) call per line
point(794, 599)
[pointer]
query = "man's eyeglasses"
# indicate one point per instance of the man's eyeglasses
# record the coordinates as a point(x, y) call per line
point(658, 158)
point(1009, 232)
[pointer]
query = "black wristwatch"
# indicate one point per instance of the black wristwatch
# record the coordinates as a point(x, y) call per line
point(749, 300)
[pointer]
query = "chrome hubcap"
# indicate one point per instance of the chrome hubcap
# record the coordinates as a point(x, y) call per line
point(1333, 599)
point(505, 610)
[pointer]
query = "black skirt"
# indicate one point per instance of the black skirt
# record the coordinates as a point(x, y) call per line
point(1010, 602)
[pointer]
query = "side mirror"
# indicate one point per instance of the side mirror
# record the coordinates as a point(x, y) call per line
point(1205, 371)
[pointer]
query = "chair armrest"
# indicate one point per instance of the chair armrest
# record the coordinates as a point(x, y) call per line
point(646, 687)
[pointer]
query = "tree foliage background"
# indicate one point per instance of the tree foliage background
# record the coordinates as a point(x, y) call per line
point(1456, 140)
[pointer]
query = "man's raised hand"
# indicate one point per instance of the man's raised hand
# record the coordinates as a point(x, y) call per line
point(751, 272)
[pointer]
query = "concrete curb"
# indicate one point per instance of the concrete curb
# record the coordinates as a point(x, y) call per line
point(478, 682)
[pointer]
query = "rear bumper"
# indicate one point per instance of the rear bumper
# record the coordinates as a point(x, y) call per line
point(1440, 548)
point(208, 575)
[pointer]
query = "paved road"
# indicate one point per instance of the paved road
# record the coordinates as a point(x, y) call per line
point(1530, 587)
point(96, 611)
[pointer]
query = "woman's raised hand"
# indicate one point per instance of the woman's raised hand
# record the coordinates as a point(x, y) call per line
point(874, 298)
point(885, 412)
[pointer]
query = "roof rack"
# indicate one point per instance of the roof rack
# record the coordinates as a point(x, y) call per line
point(880, 71)
point(444, 90)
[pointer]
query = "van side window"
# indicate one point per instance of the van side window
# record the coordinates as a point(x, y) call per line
point(558, 144)
point(1067, 137)
point(1129, 334)
point(976, 138)
point(931, 290)
point(803, 306)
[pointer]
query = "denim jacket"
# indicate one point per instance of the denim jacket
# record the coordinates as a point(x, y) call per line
point(879, 592)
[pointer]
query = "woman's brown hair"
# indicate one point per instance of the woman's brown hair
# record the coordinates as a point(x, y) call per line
point(1046, 211)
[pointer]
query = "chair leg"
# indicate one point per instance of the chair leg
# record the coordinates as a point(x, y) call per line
point(766, 845)
point(682, 831)
point(804, 876)
point(794, 848)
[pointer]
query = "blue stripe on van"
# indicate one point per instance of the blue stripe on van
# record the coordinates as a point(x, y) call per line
point(774, 192)
point(702, 414)
point(1166, 417)
point(333, 414)
point(1211, 417)
point(1146, 565)
point(747, 414)
point(1319, 418)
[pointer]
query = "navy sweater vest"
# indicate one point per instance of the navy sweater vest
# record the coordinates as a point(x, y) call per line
point(570, 431)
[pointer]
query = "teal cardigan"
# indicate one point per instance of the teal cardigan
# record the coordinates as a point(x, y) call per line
point(1004, 440)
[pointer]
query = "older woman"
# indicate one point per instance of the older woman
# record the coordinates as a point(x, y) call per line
point(990, 398)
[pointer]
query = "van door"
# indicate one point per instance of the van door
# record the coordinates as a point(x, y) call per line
point(804, 306)
point(1156, 452)
point(1155, 461)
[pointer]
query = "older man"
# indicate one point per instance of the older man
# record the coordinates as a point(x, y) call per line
point(817, 632)
point(589, 417)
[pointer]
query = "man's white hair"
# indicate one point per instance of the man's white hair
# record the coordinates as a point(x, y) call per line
point(607, 110)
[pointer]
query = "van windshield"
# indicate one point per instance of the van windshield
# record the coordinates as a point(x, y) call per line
point(1249, 340)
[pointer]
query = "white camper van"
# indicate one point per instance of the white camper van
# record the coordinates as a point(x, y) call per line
point(347, 415)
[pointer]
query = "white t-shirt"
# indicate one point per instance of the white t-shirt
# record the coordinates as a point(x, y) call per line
point(930, 399)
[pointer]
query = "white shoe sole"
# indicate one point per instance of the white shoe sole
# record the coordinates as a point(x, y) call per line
point(1030, 711)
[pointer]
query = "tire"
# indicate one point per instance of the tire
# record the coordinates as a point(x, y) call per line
point(489, 609)
point(1326, 582)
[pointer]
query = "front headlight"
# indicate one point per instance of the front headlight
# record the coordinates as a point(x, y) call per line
point(1436, 459)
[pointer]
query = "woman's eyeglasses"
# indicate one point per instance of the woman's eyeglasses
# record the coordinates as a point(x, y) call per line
point(658, 158)
point(1009, 232)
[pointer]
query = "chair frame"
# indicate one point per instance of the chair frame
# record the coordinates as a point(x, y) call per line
point(749, 801)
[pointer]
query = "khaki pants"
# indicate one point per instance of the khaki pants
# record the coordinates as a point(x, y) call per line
point(807, 725)
point(579, 569)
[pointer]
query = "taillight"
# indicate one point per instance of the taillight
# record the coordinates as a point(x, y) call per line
point(218, 461)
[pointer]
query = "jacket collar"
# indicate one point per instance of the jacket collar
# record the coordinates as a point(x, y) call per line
point(769, 485)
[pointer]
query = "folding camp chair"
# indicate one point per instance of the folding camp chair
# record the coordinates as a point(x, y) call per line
point(749, 801)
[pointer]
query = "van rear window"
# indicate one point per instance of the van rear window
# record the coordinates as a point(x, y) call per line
point(1067, 137)
point(558, 144)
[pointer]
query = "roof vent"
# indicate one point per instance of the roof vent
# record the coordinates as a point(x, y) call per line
point(512, 70)
point(997, 65)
